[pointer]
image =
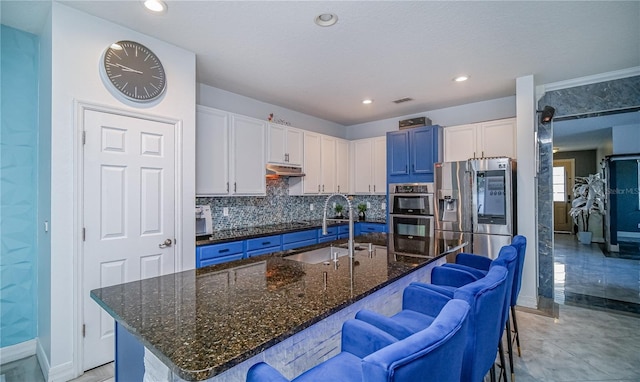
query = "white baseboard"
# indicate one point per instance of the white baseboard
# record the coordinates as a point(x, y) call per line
point(64, 372)
point(61, 373)
point(17, 351)
point(43, 360)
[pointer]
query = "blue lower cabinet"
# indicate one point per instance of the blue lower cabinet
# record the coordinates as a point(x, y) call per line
point(332, 234)
point(343, 231)
point(262, 245)
point(299, 239)
point(371, 227)
point(219, 253)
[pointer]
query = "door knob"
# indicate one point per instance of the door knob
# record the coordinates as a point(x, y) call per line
point(167, 243)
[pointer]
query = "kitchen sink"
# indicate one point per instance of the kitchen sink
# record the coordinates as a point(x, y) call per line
point(323, 255)
point(320, 255)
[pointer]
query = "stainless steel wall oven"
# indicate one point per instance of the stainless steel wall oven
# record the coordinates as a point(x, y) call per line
point(411, 222)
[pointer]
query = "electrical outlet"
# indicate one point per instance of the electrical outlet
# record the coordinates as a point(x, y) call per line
point(334, 205)
point(368, 204)
point(225, 211)
point(311, 207)
point(383, 206)
point(638, 225)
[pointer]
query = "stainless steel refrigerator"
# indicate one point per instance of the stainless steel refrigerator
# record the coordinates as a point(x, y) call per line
point(453, 221)
point(493, 200)
point(475, 204)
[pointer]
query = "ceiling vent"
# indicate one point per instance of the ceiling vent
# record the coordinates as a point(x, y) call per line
point(401, 100)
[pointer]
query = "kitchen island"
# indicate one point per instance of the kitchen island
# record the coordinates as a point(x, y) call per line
point(215, 322)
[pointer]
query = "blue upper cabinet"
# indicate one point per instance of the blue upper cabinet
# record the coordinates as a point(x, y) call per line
point(397, 153)
point(412, 153)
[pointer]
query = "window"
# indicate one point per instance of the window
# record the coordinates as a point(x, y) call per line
point(559, 184)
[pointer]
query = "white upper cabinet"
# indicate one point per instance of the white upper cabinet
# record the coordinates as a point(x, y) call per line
point(230, 154)
point(285, 145)
point(477, 140)
point(342, 166)
point(369, 165)
point(212, 152)
point(328, 166)
point(247, 153)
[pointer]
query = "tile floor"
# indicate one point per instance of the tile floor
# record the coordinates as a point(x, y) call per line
point(595, 338)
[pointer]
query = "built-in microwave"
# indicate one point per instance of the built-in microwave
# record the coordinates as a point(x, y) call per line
point(411, 199)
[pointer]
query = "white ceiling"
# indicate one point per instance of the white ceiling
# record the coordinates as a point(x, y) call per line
point(384, 50)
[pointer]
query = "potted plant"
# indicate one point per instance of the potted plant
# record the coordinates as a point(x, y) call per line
point(588, 198)
point(338, 208)
point(361, 209)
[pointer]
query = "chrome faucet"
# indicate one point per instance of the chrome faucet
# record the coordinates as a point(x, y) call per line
point(324, 220)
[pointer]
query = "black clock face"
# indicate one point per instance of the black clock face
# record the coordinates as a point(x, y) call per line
point(134, 70)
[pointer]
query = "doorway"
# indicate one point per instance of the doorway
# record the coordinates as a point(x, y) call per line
point(128, 213)
point(563, 180)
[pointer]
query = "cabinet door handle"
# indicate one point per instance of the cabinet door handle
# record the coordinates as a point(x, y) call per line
point(338, 188)
point(223, 250)
point(318, 188)
point(227, 186)
point(235, 187)
point(483, 154)
point(406, 168)
point(323, 188)
point(374, 188)
point(369, 188)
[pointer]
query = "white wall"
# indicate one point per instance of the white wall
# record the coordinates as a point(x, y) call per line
point(236, 103)
point(78, 41)
point(451, 116)
point(44, 192)
point(526, 174)
point(626, 139)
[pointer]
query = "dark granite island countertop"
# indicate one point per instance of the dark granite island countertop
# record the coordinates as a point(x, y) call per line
point(202, 322)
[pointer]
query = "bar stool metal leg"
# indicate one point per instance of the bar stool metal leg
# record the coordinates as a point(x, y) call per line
point(510, 350)
point(515, 328)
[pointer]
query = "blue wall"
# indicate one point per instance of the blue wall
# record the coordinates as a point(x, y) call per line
point(18, 185)
point(626, 194)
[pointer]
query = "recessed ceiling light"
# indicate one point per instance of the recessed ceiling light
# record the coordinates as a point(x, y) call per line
point(158, 6)
point(326, 19)
point(461, 78)
point(367, 101)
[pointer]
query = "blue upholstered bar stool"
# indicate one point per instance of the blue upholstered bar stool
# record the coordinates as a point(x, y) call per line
point(470, 267)
point(433, 354)
point(479, 265)
point(486, 299)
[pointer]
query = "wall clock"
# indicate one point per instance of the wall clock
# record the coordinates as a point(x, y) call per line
point(133, 71)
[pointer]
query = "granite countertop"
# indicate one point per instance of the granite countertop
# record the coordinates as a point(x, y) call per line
point(243, 233)
point(202, 322)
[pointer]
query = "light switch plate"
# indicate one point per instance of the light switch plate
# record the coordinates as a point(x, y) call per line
point(225, 211)
point(383, 205)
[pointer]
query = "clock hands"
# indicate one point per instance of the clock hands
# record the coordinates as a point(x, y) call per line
point(128, 69)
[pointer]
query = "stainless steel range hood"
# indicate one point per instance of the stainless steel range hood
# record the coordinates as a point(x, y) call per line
point(274, 170)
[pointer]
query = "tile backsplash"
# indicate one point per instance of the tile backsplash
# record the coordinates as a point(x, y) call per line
point(279, 207)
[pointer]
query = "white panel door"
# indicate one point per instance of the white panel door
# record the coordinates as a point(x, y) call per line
point(248, 155)
point(129, 214)
point(212, 152)
point(460, 143)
